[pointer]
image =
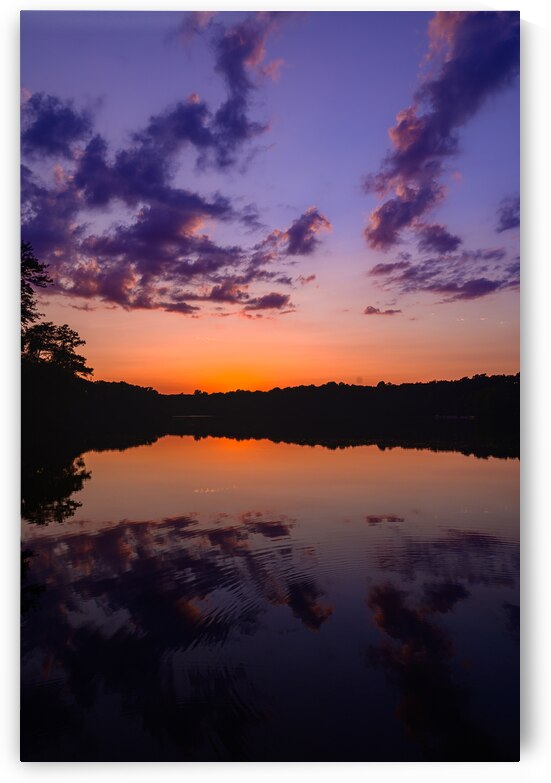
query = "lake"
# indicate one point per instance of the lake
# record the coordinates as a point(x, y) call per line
point(220, 599)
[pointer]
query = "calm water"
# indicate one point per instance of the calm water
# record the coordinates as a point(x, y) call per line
point(217, 599)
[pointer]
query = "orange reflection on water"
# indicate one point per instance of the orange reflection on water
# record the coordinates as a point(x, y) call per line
point(214, 476)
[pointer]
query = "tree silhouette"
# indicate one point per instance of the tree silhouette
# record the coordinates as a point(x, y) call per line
point(45, 342)
point(33, 273)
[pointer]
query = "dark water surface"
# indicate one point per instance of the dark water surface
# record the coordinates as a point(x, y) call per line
point(246, 600)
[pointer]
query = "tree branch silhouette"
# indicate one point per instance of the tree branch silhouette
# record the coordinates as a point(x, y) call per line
point(45, 342)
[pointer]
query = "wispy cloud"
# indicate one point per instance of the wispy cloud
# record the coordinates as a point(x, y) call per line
point(508, 214)
point(478, 54)
point(456, 276)
point(472, 55)
point(370, 310)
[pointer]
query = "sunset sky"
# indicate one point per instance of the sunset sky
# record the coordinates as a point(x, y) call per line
point(240, 200)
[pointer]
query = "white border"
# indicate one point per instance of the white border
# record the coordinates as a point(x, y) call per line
point(536, 430)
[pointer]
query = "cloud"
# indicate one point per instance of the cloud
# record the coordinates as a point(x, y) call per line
point(183, 308)
point(163, 249)
point(508, 214)
point(145, 259)
point(216, 135)
point(194, 23)
point(471, 289)
point(370, 310)
point(239, 58)
point(386, 269)
point(162, 258)
point(272, 301)
point(388, 220)
point(50, 126)
point(158, 254)
point(301, 235)
point(166, 232)
point(142, 172)
point(239, 52)
point(300, 239)
point(186, 122)
point(49, 218)
point(436, 238)
point(469, 274)
point(227, 292)
point(273, 70)
point(474, 55)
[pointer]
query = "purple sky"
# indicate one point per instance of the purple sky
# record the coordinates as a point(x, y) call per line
point(230, 183)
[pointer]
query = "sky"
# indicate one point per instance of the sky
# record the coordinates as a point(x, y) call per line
point(250, 200)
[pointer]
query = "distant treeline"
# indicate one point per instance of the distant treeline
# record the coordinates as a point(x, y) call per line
point(481, 396)
point(477, 415)
point(64, 416)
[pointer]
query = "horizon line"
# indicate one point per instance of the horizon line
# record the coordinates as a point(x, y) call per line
point(315, 386)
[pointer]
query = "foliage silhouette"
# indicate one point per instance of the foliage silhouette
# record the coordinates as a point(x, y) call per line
point(33, 273)
point(47, 487)
point(44, 341)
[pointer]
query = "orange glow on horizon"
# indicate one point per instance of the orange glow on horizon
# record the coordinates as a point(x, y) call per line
point(177, 354)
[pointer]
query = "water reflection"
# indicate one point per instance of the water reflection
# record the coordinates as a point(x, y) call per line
point(470, 555)
point(259, 621)
point(48, 484)
point(415, 654)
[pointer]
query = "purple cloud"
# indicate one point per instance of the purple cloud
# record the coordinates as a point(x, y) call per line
point(469, 274)
point(271, 301)
point(240, 50)
point(159, 256)
point(389, 269)
point(50, 126)
point(434, 238)
point(478, 54)
point(301, 236)
point(49, 217)
point(387, 221)
point(183, 308)
point(474, 54)
point(160, 259)
point(194, 23)
point(239, 53)
point(370, 310)
point(470, 289)
point(508, 214)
